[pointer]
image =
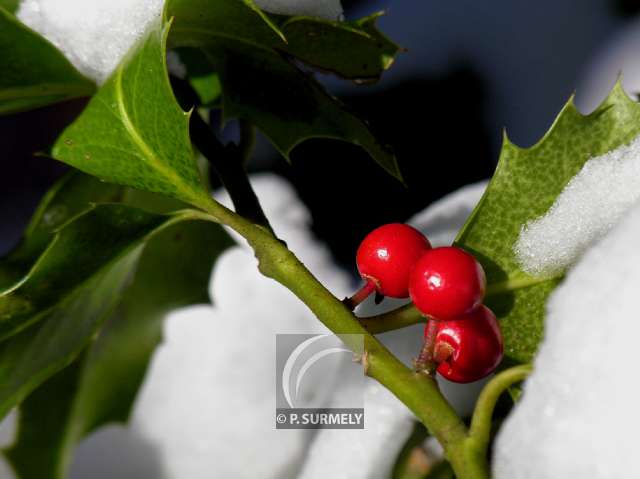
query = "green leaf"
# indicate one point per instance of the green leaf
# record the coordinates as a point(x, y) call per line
point(134, 133)
point(525, 185)
point(353, 50)
point(101, 386)
point(49, 315)
point(78, 252)
point(290, 107)
point(208, 89)
point(261, 83)
point(70, 197)
point(9, 5)
point(34, 72)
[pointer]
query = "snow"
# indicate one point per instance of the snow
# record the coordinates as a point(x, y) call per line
point(8, 427)
point(583, 396)
point(175, 65)
point(591, 203)
point(442, 220)
point(93, 34)
point(362, 454)
point(327, 9)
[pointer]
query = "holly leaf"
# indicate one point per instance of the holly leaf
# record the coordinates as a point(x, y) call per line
point(49, 316)
point(134, 133)
point(69, 197)
point(356, 50)
point(34, 72)
point(101, 386)
point(524, 186)
point(261, 81)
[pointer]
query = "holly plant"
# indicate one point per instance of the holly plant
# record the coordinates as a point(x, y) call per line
point(133, 230)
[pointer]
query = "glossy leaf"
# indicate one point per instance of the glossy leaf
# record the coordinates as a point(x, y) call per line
point(262, 84)
point(353, 50)
point(34, 72)
point(50, 315)
point(134, 133)
point(100, 387)
point(290, 107)
point(525, 185)
point(68, 198)
point(77, 253)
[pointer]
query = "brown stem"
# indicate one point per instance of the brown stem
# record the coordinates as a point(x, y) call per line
point(359, 296)
point(425, 361)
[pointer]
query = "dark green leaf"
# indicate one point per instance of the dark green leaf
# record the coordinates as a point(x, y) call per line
point(68, 198)
point(353, 50)
point(134, 133)
point(100, 387)
point(34, 72)
point(261, 84)
point(525, 185)
point(9, 5)
point(50, 315)
point(78, 252)
point(72, 195)
point(289, 107)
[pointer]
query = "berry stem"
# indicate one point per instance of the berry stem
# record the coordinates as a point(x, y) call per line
point(359, 296)
point(425, 361)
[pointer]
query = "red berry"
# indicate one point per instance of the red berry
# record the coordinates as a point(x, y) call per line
point(470, 347)
point(446, 283)
point(387, 255)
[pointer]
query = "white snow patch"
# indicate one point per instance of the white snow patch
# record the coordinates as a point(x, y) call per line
point(175, 65)
point(442, 220)
point(366, 453)
point(8, 429)
point(591, 203)
point(93, 34)
point(579, 413)
point(116, 451)
point(327, 9)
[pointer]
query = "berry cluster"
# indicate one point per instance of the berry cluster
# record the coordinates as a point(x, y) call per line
point(447, 285)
